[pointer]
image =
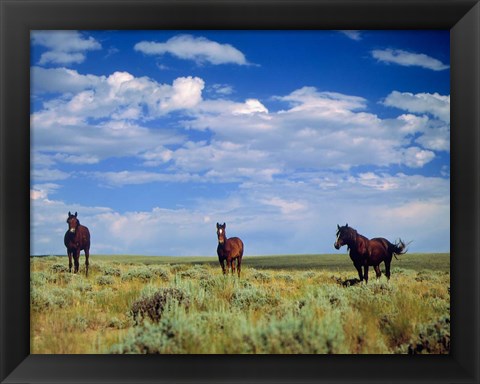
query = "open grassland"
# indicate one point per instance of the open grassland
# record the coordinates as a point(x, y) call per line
point(281, 304)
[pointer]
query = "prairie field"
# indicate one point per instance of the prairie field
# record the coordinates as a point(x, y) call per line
point(309, 304)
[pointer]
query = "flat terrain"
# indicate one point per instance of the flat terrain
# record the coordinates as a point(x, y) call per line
point(333, 262)
point(281, 304)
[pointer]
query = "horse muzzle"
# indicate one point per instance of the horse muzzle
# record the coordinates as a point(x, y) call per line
point(336, 245)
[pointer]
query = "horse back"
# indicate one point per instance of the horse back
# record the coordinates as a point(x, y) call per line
point(235, 246)
point(379, 250)
point(380, 242)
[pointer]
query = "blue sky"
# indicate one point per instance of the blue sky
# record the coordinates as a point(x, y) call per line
point(154, 136)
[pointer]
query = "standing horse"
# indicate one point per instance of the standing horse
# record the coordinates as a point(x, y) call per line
point(77, 238)
point(365, 253)
point(229, 250)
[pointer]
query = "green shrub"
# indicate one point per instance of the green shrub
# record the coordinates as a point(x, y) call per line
point(109, 270)
point(79, 284)
point(142, 273)
point(253, 298)
point(261, 276)
point(93, 267)
point(305, 333)
point(286, 277)
point(432, 338)
point(197, 272)
point(160, 271)
point(309, 274)
point(105, 280)
point(212, 283)
point(334, 295)
point(59, 268)
point(175, 268)
point(39, 278)
point(47, 298)
point(168, 336)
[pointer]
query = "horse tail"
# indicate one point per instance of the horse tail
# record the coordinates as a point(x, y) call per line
point(398, 248)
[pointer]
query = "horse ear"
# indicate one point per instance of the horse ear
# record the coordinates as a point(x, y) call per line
point(346, 225)
point(75, 214)
point(224, 225)
point(338, 227)
point(69, 213)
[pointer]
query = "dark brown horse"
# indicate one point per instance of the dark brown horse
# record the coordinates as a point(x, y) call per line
point(365, 253)
point(77, 238)
point(229, 250)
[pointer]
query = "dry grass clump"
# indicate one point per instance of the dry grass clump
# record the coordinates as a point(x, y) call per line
point(153, 306)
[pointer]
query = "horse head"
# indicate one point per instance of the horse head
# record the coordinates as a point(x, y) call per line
point(72, 222)
point(221, 233)
point(345, 235)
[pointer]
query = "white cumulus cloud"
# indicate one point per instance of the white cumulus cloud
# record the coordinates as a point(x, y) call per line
point(300, 215)
point(433, 103)
point(64, 47)
point(408, 59)
point(415, 157)
point(250, 106)
point(61, 80)
point(199, 49)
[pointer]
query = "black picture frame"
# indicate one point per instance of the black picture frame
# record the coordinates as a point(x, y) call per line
point(18, 17)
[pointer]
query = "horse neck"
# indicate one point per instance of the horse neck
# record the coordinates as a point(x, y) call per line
point(353, 239)
point(360, 242)
point(77, 231)
point(224, 244)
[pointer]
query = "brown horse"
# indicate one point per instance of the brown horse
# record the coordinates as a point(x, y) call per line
point(365, 253)
point(77, 238)
point(229, 250)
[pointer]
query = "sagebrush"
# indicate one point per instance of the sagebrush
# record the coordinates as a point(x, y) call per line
point(149, 307)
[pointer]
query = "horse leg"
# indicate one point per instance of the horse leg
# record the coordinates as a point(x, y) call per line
point(69, 261)
point(365, 273)
point(359, 270)
point(377, 271)
point(239, 263)
point(76, 258)
point(233, 266)
point(222, 264)
point(387, 269)
point(87, 254)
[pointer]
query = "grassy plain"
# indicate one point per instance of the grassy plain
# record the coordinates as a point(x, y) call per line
point(281, 304)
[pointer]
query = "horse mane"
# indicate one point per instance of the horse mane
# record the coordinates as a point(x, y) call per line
point(352, 233)
point(349, 235)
